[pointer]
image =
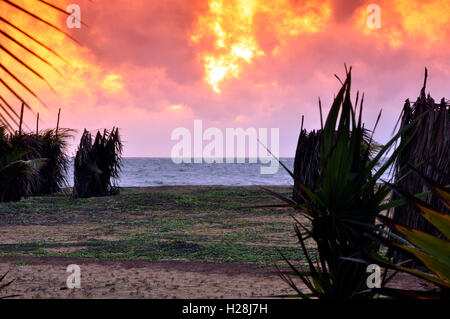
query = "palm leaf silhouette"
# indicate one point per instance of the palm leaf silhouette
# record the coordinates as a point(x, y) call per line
point(14, 84)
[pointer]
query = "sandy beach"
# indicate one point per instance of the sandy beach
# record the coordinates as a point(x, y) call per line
point(46, 278)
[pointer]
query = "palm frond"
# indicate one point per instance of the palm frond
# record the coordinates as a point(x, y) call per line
point(10, 68)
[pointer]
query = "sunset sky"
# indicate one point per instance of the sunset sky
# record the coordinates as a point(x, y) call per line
point(149, 67)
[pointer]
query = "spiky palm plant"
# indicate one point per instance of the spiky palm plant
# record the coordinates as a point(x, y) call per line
point(30, 147)
point(18, 170)
point(346, 199)
point(18, 177)
point(97, 164)
point(430, 251)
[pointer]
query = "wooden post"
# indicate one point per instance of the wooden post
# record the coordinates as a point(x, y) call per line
point(57, 123)
point(21, 119)
point(320, 109)
point(425, 80)
point(37, 124)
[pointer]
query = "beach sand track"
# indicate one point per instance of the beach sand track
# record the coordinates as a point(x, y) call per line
point(45, 277)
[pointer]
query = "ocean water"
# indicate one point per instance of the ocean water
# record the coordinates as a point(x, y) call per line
point(163, 171)
point(149, 171)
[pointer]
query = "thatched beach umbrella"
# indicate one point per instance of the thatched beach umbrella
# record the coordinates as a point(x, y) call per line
point(52, 176)
point(97, 164)
point(307, 161)
point(428, 150)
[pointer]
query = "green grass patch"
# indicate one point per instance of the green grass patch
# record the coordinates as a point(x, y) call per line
point(212, 224)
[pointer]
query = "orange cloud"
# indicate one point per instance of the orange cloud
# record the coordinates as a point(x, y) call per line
point(143, 62)
point(112, 83)
point(233, 27)
point(424, 23)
